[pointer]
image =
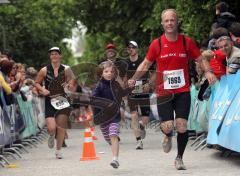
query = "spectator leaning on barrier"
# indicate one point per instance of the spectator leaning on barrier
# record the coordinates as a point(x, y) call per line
point(6, 67)
point(15, 78)
point(232, 53)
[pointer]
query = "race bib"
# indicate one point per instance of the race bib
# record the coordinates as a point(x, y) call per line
point(173, 79)
point(138, 87)
point(59, 102)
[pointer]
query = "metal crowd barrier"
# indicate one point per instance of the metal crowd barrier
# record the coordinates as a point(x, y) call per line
point(22, 126)
point(217, 120)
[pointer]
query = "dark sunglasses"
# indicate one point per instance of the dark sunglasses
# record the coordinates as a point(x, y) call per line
point(132, 47)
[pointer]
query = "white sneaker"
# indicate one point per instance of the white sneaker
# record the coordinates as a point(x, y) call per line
point(139, 145)
point(51, 141)
point(58, 154)
point(114, 164)
point(179, 164)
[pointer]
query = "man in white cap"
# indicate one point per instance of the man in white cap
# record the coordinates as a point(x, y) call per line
point(138, 95)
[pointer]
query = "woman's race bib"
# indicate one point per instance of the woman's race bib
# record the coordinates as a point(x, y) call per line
point(173, 79)
point(59, 102)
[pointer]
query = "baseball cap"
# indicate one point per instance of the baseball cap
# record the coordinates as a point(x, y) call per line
point(133, 43)
point(55, 49)
point(110, 46)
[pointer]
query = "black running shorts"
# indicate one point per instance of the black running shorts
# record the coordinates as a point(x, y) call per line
point(50, 111)
point(142, 101)
point(180, 104)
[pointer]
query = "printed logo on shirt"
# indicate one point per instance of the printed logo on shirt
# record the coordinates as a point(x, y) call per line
point(182, 55)
point(169, 55)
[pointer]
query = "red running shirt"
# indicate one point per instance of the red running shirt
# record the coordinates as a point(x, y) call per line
point(172, 63)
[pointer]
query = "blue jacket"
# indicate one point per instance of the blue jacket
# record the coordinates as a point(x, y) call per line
point(110, 90)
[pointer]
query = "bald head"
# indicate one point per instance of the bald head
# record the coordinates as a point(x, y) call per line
point(170, 22)
point(169, 11)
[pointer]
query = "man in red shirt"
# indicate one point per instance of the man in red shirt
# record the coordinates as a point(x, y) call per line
point(172, 53)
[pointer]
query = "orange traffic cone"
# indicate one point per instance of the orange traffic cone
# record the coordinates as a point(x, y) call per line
point(93, 134)
point(88, 147)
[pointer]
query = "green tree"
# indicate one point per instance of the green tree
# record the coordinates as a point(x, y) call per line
point(139, 20)
point(33, 26)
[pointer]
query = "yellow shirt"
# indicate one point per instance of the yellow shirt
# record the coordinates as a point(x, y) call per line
point(5, 85)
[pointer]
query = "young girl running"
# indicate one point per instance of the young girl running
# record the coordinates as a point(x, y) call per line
point(109, 88)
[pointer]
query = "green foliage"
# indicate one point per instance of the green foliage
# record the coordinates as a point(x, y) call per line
point(197, 17)
point(139, 20)
point(33, 26)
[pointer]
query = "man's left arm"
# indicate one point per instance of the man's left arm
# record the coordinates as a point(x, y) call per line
point(203, 61)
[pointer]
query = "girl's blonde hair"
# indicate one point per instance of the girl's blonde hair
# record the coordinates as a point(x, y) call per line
point(104, 65)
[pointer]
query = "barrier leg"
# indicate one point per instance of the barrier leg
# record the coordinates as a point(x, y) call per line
point(4, 159)
point(12, 150)
point(200, 144)
point(197, 139)
point(20, 146)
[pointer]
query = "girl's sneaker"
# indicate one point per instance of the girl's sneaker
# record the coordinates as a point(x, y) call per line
point(58, 154)
point(139, 145)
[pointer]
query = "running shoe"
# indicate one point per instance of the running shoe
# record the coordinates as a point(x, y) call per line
point(58, 154)
point(167, 144)
point(139, 145)
point(179, 164)
point(51, 141)
point(142, 131)
point(114, 164)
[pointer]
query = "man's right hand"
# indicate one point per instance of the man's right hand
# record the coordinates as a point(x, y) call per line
point(131, 83)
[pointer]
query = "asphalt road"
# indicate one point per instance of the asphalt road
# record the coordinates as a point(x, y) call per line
point(151, 161)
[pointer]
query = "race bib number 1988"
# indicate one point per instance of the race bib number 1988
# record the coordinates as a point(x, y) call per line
point(173, 79)
point(138, 87)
